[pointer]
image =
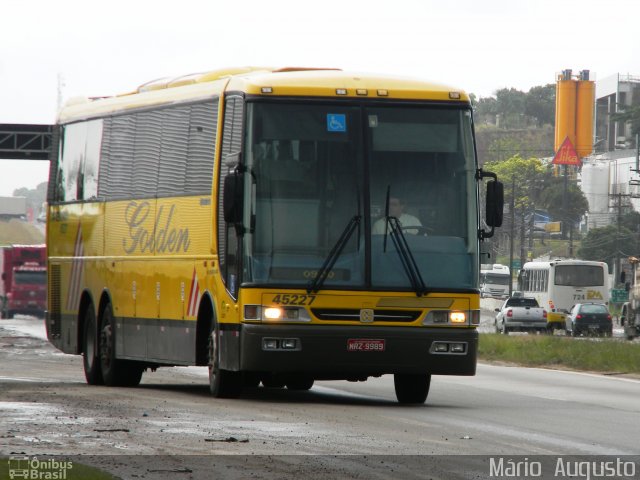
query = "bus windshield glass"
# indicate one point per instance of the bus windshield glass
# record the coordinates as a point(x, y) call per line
point(27, 277)
point(319, 172)
point(579, 275)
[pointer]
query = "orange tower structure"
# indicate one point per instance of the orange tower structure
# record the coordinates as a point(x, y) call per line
point(575, 100)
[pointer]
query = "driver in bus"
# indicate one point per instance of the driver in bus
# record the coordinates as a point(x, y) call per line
point(396, 209)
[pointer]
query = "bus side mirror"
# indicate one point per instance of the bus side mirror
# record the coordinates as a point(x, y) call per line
point(233, 196)
point(495, 203)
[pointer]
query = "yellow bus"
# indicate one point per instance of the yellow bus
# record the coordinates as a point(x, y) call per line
point(255, 221)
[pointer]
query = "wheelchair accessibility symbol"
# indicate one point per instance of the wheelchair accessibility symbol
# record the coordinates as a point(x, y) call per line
point(336, 122)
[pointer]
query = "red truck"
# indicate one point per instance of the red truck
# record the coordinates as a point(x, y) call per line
point(23, 289)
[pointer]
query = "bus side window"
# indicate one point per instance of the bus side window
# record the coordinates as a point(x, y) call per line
point(71, 160)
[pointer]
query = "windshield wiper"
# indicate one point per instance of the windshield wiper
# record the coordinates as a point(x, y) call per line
point(402, 247)
point(406, 257)
point(335, 252)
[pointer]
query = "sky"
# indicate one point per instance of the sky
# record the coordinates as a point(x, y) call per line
point(51, 51)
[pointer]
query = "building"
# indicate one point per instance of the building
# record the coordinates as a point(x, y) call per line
point(608, 177)
point(612, 95)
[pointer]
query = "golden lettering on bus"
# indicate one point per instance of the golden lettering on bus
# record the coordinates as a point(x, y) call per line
point(594, 295)
point(163, 238)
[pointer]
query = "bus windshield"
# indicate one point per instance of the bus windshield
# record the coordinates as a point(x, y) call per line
point(579, 275)
point(318, 172)
point(496, 278)
point(29, 277)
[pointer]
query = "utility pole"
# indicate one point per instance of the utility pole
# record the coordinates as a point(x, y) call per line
point(618, 206)
point(513, 221)
point(565, 217)
point(637, 152)
point(616, 269)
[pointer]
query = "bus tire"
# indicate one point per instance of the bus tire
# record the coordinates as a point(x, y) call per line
point(411, 388)
point(222, 383)
point(115, 373)
point(300, 383)
point(90, 355)
point(273, 380)
point(251, 379)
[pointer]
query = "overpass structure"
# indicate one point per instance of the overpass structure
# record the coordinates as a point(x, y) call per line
point(25, 141)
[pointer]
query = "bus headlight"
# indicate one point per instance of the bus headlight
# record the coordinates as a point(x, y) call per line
point(452, 317)
point(263, 313)
point(272, 313)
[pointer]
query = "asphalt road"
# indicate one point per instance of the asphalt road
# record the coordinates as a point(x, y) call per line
point(47, 409)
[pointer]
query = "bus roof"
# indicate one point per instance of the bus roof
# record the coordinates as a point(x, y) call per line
point(262, 81)
point(550, 263)
point(494, 268)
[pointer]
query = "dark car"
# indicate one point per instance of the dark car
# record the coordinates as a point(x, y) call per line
point(589, 318)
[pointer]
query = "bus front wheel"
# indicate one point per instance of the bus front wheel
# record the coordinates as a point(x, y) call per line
point(222, 383)
point(411, 388)
point(300, 383)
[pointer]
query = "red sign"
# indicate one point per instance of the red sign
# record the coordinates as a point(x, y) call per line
point(566, 154)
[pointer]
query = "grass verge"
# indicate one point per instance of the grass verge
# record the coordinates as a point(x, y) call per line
point(604, 355)
point(48, 467)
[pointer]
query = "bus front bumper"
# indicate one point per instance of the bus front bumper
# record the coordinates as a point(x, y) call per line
point(345, 351)
point(555, 320)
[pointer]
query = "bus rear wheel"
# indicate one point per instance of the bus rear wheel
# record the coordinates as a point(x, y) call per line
point(412, 388)
point(222, 383)
point(90, 357)
point(115, 373)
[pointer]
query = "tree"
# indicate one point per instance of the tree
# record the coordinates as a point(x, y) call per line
point(486, 109)
point(511, 108)
point(540, 104)
point(552, 199)
point(497, 144)
point(607, 243)
point(631, 221)
point(35, 198)
point(522, 180)
point(631, 115)
point(510, 101)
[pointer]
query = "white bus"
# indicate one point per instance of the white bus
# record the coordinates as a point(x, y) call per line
point(560, 284)
point(494, 280)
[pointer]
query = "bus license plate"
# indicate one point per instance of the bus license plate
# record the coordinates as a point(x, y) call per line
point(365, 345)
